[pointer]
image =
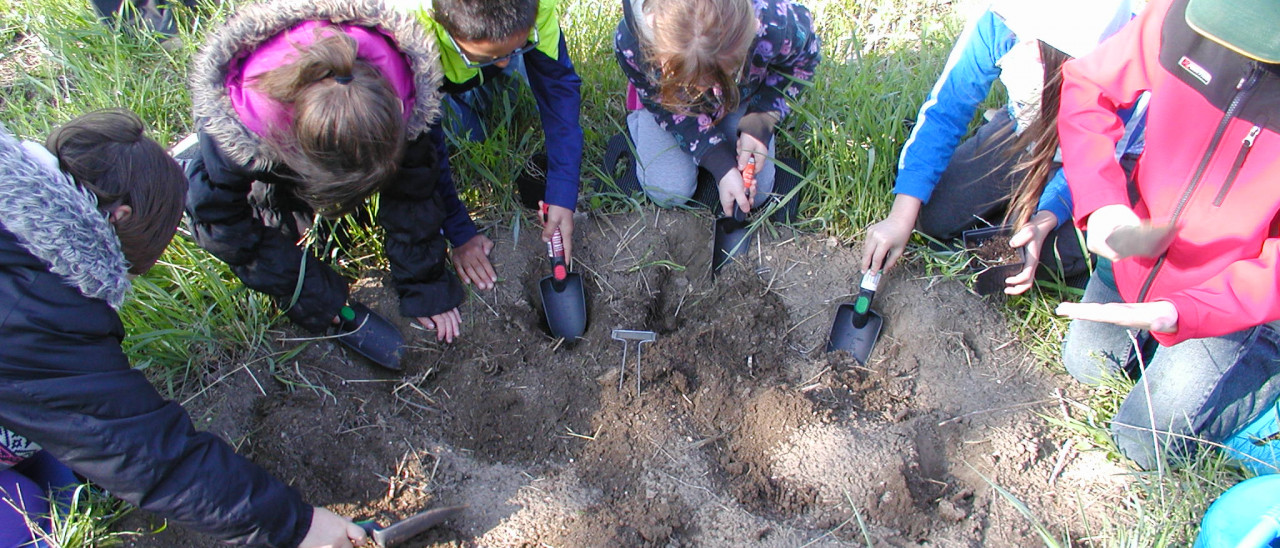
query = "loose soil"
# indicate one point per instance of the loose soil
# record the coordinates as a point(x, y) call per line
point(743, 432)
point(996, 252)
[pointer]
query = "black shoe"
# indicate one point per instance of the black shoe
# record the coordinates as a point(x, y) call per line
point(531, 184)
point(620, 165)
point(707, 192)
point(370, 335)
point(784, 181)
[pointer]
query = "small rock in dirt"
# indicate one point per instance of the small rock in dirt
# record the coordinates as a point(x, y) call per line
point(949, 512)
point(680, 382)
point(608, 378)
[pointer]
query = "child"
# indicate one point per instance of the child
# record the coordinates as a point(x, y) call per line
point(1207, 296)
point(714, 77)
point(483, 44)
point(77, 221)
point(310, 107)
point(946, 189)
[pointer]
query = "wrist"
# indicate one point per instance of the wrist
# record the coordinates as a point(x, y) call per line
point(906, 209)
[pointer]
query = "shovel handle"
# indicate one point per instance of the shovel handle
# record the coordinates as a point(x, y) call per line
point(555, 250)
point(748, 181)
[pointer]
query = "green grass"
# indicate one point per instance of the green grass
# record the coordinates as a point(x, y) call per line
point(880, 58)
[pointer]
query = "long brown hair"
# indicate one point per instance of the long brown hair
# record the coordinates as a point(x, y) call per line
point(108, 153)
point(701, 48)
point(347, 135)
point(1042, 139)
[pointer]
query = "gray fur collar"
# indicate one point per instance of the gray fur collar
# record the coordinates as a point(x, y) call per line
point(254, 24)
point(58, 222)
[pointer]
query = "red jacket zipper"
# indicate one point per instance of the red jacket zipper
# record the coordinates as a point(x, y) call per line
point(1245, 147)
point(1243, 88)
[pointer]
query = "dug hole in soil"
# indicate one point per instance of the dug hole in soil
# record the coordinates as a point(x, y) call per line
point(743, 433)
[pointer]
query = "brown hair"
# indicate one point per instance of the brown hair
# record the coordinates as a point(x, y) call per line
point(348, 129)
point(701, 48)
point(1042, 139)
point(107, 153)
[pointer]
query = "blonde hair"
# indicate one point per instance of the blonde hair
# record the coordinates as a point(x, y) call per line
point(348, 131)
point(700, 48)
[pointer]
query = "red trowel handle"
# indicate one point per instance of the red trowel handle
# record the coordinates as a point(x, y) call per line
point(555, 250)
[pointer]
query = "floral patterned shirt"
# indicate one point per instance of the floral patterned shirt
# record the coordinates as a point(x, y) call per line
point(783, 56)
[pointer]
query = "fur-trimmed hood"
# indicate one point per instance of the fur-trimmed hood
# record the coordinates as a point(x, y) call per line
point(254, 24)
point(59, 222)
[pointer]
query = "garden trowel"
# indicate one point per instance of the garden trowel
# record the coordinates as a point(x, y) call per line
point(563, 299)
point(857, 326)
point(731, 235)
point(370, 335)
point(400, 531)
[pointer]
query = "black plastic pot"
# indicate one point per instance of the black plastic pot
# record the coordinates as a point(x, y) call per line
point(990, 278)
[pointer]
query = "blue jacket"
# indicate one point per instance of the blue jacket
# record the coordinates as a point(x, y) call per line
point(943, 120)
point(557, 90)
point(66, 385)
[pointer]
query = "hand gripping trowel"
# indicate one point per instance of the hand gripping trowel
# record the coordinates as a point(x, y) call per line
point(857, 326)
point(731, 235)
point(400, 531)
point(563, 299)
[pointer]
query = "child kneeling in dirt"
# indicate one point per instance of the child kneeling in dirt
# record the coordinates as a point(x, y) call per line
point(714, 77)
point(1008, 169)
point(1185, 298)
point(485, 47)
point(311, 107)
point(77, 221)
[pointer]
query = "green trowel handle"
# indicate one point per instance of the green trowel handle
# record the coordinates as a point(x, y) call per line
point(862, 306)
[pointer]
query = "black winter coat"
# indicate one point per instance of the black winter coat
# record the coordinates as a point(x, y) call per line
point(230, 219)
point(66, 385)
point(234, 226)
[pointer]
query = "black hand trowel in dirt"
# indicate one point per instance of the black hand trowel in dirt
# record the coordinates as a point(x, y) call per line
point(563, 299)
point(857, 326)
point(731, 235)
point(370, 335)
point(400, 531)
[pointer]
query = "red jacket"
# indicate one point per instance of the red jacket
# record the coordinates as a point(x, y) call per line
point(1212, 165)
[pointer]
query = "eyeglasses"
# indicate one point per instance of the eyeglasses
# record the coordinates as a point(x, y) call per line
point(473, 64)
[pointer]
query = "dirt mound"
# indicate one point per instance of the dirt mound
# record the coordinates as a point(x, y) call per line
point(742, 430)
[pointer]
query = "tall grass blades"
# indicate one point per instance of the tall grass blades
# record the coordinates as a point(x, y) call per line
point(191, 310)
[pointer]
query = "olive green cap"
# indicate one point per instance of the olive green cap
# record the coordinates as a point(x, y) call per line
point(1248, 27)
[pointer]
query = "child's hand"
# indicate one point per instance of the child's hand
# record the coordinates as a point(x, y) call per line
point(446, 324)
point(562, 218)
point(749, 146)
point(1158, 316)
point(472, 261)
point(733, 193)
point(329, 530)
point(1031, 237)
point(1103, 222)
point(887, 240)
